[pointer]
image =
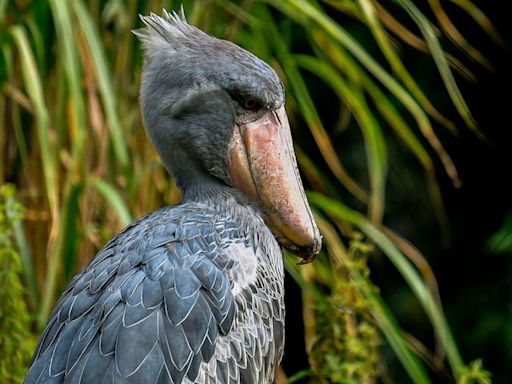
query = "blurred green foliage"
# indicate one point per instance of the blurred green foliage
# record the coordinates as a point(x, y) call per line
point(16, 341)
point(73, 143)
point(501, 241)
point(347, 348)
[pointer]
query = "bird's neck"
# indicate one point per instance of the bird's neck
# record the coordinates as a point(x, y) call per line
point(201, 186)
point(194, 182)
point(207, 189)
point(198, 185)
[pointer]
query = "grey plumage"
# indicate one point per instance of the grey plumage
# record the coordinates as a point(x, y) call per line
point(171, 315)
point(191, 293)
point(193, 87)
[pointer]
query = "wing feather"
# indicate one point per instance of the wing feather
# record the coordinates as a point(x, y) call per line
point(151, 308)
point(135, 344)
point(96, 366)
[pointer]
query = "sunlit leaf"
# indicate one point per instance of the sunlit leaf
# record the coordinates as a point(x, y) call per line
point(113, 198)
point(407, 271)
point(444, 69)
point(92, 39)
point(397, 65)
point(375, 144)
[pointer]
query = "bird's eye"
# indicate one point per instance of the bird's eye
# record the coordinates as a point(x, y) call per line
point(251, 104)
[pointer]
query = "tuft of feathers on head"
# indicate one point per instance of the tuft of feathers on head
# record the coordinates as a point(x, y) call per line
point(183, 55)
point(164, 32)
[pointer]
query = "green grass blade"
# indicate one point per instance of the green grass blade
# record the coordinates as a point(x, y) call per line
point(481, 19)
point(444, 69)
point(397, 123)
point(347, 65)
point(318, 180)
point(300, 376)
point(402, 130)
point(306, 14)
point(33, 84)
point(391, 330)
point(113, 198)
point(56, 251)
point(92, 39)
point(501, 240)
point(10, 76)
point(70, 232)
point(408, 37)
point(374, 141)
point(411, 276)
point(3, 6)
point(397, 64)
point(422, 292)
point(37, 38)
point(334, 54)
point(451, 31)
point(71, 67)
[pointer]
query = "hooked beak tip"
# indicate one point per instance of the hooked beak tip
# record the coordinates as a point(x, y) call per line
point(309, 253)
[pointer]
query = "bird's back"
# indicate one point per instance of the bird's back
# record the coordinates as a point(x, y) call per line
point(190, 293)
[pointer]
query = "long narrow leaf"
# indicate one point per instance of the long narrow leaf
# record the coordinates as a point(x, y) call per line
point(455, 36)
point(398, 66)
point(298, 11)
point(33, 85)
point(391, 330)
point(71, 67)
point(21, 144)
point(91, 37)
point(481, 19)
point(375, 144)
point(3, 5)
point(113, 198)
point(411, 39)
point(395, 120)
point(410, 275)
point(442, 65)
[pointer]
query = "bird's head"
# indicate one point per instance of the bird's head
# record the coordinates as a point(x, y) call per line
point(215, 114)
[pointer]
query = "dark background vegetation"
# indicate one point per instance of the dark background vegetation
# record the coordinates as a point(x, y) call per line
point(475, 279)
point(482, 306)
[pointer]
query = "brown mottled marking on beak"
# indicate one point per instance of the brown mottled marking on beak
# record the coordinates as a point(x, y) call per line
point(263, 165)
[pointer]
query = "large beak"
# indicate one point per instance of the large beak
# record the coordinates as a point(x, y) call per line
point(263, 165)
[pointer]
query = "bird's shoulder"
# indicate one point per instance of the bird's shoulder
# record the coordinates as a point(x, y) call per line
point(177, 237)
point(163, 280)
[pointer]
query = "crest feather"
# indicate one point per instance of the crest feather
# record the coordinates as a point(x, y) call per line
point(164, 32)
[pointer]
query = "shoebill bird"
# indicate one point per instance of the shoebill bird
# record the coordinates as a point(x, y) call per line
point(193, 293)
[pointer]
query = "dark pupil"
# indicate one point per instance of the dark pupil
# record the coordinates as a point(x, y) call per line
point(250, 103)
